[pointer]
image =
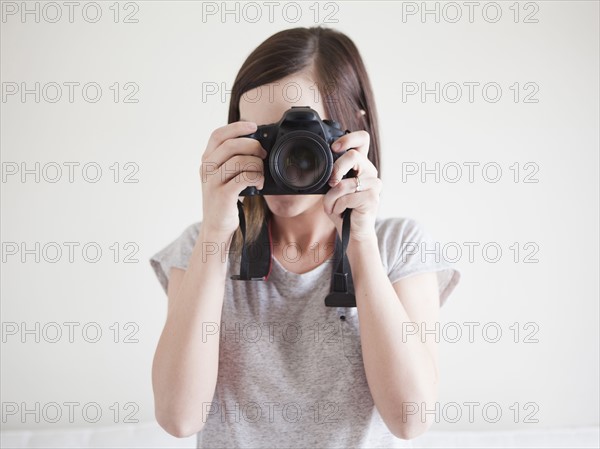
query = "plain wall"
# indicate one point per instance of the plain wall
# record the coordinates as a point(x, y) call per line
point(170, 55)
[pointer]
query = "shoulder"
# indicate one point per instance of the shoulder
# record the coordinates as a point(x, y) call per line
point(400, 238)
point(383, 225)
point(175, 254)
point(394, 230)
point(185, 241)
point(407, 248)
point(393, 233)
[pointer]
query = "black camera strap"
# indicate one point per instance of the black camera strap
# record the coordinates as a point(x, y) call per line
point(256, 256)
point(342, 288)
point(255, 264)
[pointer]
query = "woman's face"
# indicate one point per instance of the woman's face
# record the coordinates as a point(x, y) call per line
point(265, 105)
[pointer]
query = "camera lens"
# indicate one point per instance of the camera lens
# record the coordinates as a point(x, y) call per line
point(301, 162)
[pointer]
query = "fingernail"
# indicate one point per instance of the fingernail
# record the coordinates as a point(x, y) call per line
point(336, 146)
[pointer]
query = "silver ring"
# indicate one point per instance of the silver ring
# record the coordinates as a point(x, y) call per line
point(358, 187)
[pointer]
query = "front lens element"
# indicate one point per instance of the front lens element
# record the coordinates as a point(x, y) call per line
point(301, 162)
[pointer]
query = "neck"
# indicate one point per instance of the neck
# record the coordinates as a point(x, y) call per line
point(310, 227)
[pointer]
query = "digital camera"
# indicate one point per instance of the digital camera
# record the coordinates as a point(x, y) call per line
point(300, 158)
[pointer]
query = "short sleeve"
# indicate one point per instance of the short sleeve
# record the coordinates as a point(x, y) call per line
point(408, 248)
point(176, 254)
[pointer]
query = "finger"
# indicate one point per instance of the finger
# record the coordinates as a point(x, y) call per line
point(238, 146)
point(239, 165)
point(230, 131)
point(354, 160)
point(229, 149)
point(355, 201)
point(242, 180)
point(347, 187)
point(359, 140)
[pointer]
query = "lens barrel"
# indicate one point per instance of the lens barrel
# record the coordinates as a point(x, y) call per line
point(301, 161)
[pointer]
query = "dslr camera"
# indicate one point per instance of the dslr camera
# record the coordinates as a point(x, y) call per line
point(300, 158)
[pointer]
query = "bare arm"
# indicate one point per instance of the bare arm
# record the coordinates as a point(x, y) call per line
point(402, 373)
point(184, 372)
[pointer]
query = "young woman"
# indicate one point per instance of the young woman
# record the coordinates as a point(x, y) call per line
point(266, 363)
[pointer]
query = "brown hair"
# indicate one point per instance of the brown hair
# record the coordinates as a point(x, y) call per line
point(343, 83)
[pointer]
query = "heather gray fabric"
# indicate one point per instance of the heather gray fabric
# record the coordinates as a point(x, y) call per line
point(291, 372)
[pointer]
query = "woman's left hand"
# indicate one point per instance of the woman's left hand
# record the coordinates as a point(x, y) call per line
point(343, 193)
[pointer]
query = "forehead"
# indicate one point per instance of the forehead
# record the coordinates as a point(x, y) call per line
point(267, 103)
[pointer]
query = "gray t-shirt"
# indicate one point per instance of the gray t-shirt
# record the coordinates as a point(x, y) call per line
point(291, 372)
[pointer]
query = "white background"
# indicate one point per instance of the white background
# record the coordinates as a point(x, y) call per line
point(170, 52)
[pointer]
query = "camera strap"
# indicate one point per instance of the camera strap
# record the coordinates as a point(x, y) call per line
point(342, 288)
point(256, 256)
point(255, 264)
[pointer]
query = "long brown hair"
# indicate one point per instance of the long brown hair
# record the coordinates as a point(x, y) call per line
point(342, 81)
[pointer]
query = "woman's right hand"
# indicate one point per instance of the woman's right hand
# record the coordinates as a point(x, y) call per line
point(229, 165)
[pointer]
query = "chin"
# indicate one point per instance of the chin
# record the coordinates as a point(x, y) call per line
point(291, 205)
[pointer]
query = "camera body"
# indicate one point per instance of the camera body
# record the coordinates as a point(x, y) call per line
point(300, 158)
